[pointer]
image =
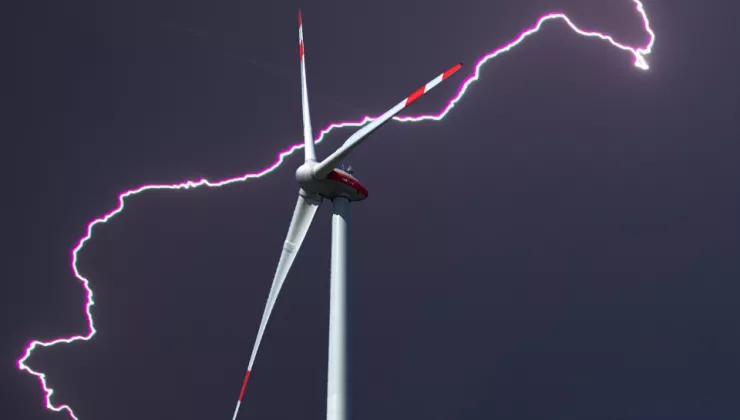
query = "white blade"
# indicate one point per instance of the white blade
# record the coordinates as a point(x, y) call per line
point(305, 210)
point(322, 169)
point(308, 146)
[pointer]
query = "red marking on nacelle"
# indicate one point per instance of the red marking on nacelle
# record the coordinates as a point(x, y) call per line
point(347, 180)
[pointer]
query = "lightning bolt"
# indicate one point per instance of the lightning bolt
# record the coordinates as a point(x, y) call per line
point(638, 53)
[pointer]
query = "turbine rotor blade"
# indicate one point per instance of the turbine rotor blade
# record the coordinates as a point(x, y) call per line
point(322, 169)
point(308, 146)
point(304, 213)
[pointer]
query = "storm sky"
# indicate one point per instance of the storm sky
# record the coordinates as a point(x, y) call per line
point(564, 244)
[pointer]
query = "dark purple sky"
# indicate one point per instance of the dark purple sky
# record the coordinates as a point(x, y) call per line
point(565, 244)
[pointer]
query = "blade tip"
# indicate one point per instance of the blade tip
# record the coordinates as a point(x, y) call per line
point(300, 19)
point(451, 70)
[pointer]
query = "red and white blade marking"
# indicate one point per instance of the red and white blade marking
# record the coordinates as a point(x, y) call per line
point(364, 131)
point(308, 146)
point(426, 88)
point(244, 385)
point(300, 35)
point(323, 168)
point(418, 93)
point(310, 154)
point(303, 215)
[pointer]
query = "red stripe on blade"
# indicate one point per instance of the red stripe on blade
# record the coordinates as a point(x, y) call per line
point(300, 21)
point(300, 49)
point(451, 71)
point(244, 385)
point(414, 96)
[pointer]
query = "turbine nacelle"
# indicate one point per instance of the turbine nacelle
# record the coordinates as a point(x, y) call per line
point(337, 183)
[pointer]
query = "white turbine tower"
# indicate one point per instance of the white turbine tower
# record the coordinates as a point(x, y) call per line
point(319, 181)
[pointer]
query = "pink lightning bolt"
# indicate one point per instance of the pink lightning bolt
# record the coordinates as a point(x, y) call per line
point(637, 53)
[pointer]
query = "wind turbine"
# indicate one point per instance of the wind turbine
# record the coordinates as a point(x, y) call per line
point(319, 181)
